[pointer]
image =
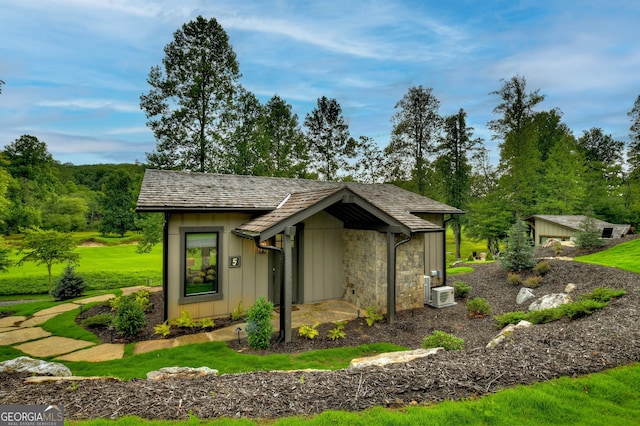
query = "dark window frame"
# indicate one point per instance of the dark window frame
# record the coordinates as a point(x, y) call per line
point(200, 297)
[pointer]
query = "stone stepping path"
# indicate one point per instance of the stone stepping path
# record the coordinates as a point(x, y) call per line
point(52, 346)
point(99, 353)
point(22, 335)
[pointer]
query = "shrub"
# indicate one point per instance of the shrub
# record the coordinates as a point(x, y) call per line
point(601, 294)
point(238, 313)
point(544, 316)
point(557, 247)
point(129, 318)
point(514, 278)
point(440, 339)
point(489, 257)
point(510, 318)
point(338, 331)
point(478, 307)
point(519, 250)
point(259, 328)
point(309, 331)
point(582, 308)
point(140, 297)
point(100, 320)
point(162, 329)
point(69, 286)
point(533, 282)
point(461, 290)
point(373, 315)
point(470, 258)
point(206, 323)
point(185, 320)
point(542, 268)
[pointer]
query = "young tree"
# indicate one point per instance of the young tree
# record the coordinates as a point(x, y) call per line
point(118, 203)
point(330, 144)
point(633, 153)
point(47, 247)
point(453, 165)
point(190, 95)
point(416, 126)
point(369, 164)
point(518, 253)
point(151, 226)
point(589, 235)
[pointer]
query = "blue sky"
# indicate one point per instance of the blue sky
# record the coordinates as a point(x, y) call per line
point(74, 70)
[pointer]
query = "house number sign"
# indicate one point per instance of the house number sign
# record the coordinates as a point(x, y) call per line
point(234, 261)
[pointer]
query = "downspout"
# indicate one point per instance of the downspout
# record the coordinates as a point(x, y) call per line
point(444, 249)
point(281, 253)
point(165, 260)
point(391, 284)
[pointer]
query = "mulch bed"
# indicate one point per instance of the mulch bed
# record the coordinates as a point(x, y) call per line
point(606, 339)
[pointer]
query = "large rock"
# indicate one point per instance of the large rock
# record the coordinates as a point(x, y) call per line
point(24, 364)
point(506, 332)
point(392, 358)
point(550, 301)
point(525, 295)
point(180, 372)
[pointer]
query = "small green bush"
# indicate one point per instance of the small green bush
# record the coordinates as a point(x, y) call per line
point(373, 315)
point(582, 308)
point(100, 320)
point(440, 339)
point(337, 332)
point(514, 278)
point(533, 282)
point(69, 286)
point(238, 312)
point(542, 268)
point(129, 318)
point(478, 307)
point(461, 290)
point(544, 316)
point(206, 323)
point(259, 328)
point(185, 320)
point(510, 318)
point(489, 257)
point(309, 331)
point(557, 248)
point(601, 294)
point(162, 329)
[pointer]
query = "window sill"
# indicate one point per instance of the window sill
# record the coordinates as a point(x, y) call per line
point(197, 298)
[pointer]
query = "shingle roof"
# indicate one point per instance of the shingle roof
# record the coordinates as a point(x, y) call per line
point(574, 222)
point(164, 190)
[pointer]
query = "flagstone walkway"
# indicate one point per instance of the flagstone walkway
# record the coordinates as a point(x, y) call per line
point(24, 334)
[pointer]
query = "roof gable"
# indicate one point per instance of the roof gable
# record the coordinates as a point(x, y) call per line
point(166, 191)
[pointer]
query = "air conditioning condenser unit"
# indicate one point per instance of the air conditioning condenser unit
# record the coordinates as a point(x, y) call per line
point(442, 297)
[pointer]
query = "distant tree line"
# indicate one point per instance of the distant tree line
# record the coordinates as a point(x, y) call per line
point(204, 120)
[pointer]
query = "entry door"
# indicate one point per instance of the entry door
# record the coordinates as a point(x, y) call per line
point(276, 265)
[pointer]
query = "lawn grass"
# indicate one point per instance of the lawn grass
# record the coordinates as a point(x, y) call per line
point(607, 398)
point(467, 246)
point(225, 360)
point(103, 267)
point(622, 256)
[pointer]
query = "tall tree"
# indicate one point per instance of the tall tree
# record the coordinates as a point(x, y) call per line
point(369, 164)
point(453, 165)
point(287, 149)
point(30, 159)
point(190, 95)
point(550, 130)
point(416, 126)
point(330, 144)
point(633, 153)
point(519, 153)
point(118, 204)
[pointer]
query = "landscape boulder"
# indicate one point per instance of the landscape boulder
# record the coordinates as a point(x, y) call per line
point(24, 364)
point(570, 288)
point(383, 359)
point(550, 301)
point(181, 372)
point(506, 332)
point(525, 295)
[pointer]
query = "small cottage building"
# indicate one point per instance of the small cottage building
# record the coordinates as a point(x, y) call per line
point(229, 239)
point(566, 227)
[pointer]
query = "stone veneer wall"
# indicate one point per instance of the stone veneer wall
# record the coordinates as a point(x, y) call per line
point(365, 270)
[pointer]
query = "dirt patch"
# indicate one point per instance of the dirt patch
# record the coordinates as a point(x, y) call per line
point(606, 339)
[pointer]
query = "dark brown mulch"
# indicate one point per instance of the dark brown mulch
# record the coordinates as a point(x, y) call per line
point(606, 339)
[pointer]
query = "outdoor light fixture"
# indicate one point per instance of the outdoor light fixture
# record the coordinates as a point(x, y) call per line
point(80, 308)
point(111, 330)
point(238, 330)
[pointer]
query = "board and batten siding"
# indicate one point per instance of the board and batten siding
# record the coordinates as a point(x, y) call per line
point(323, 268)
point(244, 284)
point(545, 230)
point(434, 246)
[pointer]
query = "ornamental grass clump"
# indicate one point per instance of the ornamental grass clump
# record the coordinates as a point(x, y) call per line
point(259, 328)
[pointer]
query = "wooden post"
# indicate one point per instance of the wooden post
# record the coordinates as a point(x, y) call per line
point(285, 309)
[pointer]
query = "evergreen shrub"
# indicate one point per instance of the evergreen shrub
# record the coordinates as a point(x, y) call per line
point(69, 286)
point(259, 328)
